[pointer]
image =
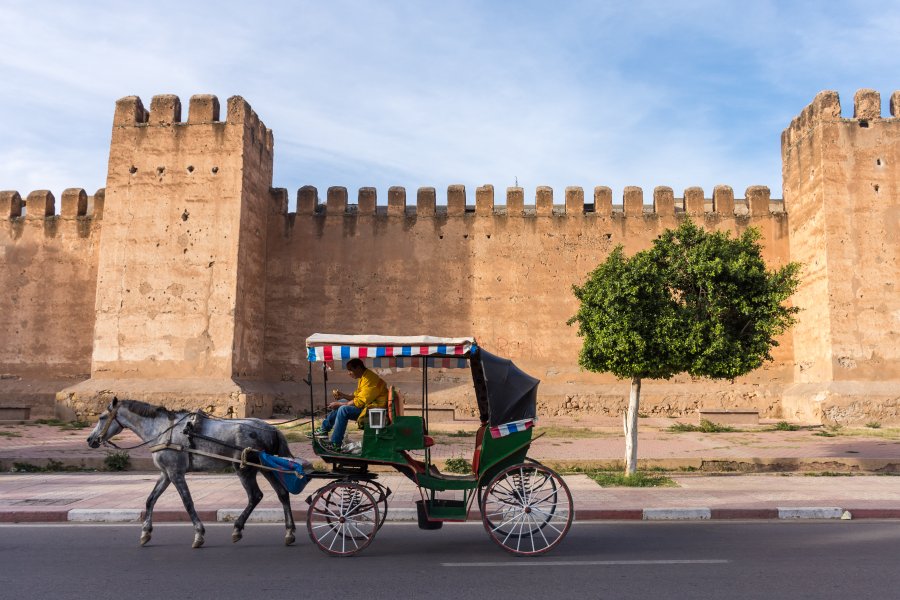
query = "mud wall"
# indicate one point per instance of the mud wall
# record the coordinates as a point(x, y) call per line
point(500, 272)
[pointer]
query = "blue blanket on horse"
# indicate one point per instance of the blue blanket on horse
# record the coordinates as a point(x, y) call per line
point(294, 480)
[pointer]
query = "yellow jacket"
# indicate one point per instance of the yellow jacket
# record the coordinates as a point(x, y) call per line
point(371, 392)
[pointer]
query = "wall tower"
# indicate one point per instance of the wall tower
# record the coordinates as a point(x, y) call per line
point(842, 190)
point(180, 304)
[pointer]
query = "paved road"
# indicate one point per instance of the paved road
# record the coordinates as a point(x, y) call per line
point(814, 560)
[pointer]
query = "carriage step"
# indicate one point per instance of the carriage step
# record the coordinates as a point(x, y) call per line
point(442, 510)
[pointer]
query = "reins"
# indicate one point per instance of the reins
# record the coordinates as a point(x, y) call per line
point(168, 445)
point(150, 441)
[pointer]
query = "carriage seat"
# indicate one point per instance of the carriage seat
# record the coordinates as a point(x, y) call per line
point(395, 409)
point(395, 404)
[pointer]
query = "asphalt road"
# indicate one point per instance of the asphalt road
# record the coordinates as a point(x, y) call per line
point(834, 560)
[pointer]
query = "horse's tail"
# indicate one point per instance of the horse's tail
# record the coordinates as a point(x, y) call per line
point(282, 445)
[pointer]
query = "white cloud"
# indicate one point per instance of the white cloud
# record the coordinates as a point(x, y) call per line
point(409, 93)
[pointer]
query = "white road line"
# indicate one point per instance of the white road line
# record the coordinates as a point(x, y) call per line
point(580, 563)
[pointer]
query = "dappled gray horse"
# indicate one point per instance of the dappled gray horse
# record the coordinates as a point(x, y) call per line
point(175, 453)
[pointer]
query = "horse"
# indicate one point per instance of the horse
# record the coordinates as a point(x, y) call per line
point(184, 441)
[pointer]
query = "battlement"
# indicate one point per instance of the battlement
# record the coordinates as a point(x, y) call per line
point(41, 204)
point(826, 108)
point(756, 202)
point(203, 109)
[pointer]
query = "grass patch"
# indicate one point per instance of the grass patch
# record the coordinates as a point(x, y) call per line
point(10, 434)
point(458, 465)
point(52, 466)
point(705, 426)
point(639, 479)
point(827, 474)
point(605, 478)
point(784, 426)
point(117, 461)
point(296, 433)
point(889, 433)
point(460, 433)
point(573, 432)
point(873, 425)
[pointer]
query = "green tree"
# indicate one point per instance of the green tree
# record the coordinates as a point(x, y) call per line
point(696, 302)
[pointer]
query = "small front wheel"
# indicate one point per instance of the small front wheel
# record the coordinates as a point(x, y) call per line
point(527, 509)
point(342, 519)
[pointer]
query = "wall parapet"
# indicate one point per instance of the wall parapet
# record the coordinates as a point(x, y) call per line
point(826, 108)
point(757, 202)
point(203, 109)
point(41, 204)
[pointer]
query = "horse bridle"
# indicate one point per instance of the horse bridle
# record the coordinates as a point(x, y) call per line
point(112, 416)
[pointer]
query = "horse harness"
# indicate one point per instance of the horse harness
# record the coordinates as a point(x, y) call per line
point(188, 431)
point(191, 449)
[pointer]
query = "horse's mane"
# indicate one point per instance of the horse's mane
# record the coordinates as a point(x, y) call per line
point(145, 410)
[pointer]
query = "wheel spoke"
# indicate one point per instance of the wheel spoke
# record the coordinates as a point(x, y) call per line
point(522, 509)
point(342, 518)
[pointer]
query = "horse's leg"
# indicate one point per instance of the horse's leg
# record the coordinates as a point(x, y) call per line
point(181, 485)
point(161, 484)
point(285, 498)
point(247, 475)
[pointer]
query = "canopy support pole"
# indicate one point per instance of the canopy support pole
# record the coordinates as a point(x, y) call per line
point(425, 406)
point(312, 408)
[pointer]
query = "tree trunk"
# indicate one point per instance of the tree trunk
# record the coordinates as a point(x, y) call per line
point(631, 427)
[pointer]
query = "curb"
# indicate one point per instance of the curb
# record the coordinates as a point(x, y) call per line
point(404, 514)
point(686, 465)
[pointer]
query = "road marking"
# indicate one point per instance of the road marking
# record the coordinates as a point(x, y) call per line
point(581, 563)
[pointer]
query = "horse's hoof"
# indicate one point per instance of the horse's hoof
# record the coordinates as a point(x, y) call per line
point(236, 536)
point(198, 541)
point(145, 537)
point(289, 538)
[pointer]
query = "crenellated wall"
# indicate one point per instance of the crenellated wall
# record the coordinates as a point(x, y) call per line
point(197, 288)
point(502, 273)
point(842, 189)
point(48, 278)
point(180, 297)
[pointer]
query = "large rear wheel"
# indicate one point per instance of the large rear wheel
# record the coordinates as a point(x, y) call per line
point(527, 509)
point(342, 519)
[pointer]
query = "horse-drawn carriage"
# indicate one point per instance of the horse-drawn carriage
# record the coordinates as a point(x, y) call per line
point(525, 507)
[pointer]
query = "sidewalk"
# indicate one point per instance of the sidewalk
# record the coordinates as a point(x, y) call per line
point(120, 497)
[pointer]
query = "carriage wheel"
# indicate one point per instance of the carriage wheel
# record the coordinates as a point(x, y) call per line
point(342, 518)
point(337, 496)
point(380, 493)
point(502, 520)
point(527, 509)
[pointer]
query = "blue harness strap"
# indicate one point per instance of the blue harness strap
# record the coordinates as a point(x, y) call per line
point(295, 480)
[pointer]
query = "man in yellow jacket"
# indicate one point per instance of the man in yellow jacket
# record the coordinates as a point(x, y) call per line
point(371, 392)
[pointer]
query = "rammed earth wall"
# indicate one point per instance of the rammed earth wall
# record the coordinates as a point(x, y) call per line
point(197, 288)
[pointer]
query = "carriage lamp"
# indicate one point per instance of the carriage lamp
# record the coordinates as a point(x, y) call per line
point(376, 418)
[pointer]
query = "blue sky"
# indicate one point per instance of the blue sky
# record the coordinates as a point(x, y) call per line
point(411, 93)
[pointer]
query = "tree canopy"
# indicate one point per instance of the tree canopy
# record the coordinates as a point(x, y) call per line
point(697, 302)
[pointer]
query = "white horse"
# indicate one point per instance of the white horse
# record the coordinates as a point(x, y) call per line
point(182, 441)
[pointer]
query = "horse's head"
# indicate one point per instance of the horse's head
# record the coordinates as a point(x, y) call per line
point(107, 426)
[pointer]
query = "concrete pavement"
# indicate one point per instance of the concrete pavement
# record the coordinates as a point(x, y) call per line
point(758, 473)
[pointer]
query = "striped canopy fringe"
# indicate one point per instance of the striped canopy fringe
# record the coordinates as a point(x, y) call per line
point(512, 427)
point(345, 353)
point(405, 362)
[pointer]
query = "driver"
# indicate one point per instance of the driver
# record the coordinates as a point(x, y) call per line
point(371, 392)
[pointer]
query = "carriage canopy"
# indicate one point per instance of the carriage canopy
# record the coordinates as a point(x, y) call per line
point(391, 351)
point(504, 392)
